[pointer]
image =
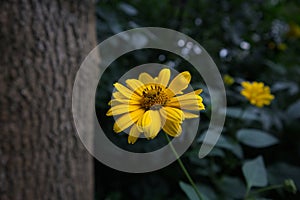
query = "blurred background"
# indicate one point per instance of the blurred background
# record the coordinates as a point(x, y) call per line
point(249, 41)
point(43, 44)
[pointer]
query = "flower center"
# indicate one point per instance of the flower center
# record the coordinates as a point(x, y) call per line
point(154, 97)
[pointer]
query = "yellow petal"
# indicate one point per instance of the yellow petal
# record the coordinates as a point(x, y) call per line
point(133, 134)
point(144, 121)
point(119, 95)
point(135, 85)
point(246, 84)
point(146, 78)
point(164, 77)
point(122, 108)
point(191, 105)
point(155, 126)
point(188, 103)
point(197, 92)
point(172, 129)
point(151, 123)
point(115, 102)
point(126, 92)
point(172, 114)
point(246, 94)
point(180, 82)
point(189, 96)
point(189, 115)
point(127, 120)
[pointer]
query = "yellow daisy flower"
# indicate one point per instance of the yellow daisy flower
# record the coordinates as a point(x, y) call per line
point(228, 80)
point(282, 46)
point(294, 30)
point(258, 94)
point(149, 104)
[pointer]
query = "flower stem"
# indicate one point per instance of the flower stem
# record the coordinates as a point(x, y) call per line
point(247, 192)
point(183, 168)
point(272, 187)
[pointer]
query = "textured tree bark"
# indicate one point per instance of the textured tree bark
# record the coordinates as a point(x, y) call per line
point(42, 44)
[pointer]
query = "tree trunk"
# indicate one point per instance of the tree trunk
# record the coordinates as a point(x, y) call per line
point(42, 44)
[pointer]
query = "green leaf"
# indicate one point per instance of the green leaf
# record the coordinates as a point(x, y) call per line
point(249, 114)
point(293, 111)
point(281, 171)
point(230, 145)
point(207, 193)
point(226, 143)
point(291, 87)
point(275, 67)
point(128, 9)
point(217, 152)
point(255, 172)
point(256, 138)
point(233, 186)
point(188, 190)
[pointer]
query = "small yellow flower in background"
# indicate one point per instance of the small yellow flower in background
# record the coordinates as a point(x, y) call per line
point(282, 46)
point(258, 94)
point(228, 80)
point(294, 31)
point(279, 46)
point(149, 104)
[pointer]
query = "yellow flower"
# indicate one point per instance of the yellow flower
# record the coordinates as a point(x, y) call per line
point(294, 31)
point(282, 46)
point(258, 94)
point(228, 80)
point(149, 104)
